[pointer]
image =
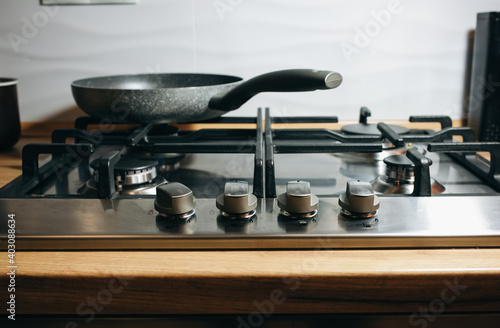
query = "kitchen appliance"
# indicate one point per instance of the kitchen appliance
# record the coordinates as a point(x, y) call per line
point(484, 100)
point(239, 183)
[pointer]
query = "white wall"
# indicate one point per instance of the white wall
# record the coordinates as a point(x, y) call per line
point(413, 65)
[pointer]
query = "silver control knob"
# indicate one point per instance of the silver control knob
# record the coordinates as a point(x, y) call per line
point(236, 200)
point(174, 200)
point(298, 200)
point(359, 200)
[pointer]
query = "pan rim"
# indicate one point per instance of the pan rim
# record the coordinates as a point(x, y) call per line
point(81, 83)
point(7, 81)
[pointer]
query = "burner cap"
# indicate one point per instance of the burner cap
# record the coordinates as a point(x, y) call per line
point(128, 163)
point(130, 170)
point(166, 161)
point(398, 160)
point(400, 169)
point(371, 129)
point(162, 158)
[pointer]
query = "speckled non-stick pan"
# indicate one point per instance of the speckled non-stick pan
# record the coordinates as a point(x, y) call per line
point(167, 98)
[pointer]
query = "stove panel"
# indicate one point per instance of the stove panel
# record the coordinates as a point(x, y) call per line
point(410, 222)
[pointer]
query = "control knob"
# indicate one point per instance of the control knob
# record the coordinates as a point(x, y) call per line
point(298, 201)
point(175, 200)
point(359, 200)
point(236, 201)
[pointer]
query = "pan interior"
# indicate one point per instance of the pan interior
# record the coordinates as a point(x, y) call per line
point(155, 81)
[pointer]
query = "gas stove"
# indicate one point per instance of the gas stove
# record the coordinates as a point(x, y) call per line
point(239, 183)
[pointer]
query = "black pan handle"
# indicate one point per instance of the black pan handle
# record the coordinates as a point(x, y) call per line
point(292, 80)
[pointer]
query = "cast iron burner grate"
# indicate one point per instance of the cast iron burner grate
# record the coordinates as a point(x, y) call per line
point(146, 140)
point(296, 141)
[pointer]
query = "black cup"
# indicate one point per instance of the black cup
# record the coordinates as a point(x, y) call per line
point(10, 126)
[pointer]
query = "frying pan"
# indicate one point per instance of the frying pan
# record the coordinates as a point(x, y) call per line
point(168, 98)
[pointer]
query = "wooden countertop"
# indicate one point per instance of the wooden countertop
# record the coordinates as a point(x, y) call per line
point(305, 281)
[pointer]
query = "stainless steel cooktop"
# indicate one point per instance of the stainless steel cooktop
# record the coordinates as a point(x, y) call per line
point(153, 187)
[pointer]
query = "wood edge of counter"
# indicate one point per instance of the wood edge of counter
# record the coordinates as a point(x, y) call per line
point(36, 129)
point(194, 282)
point(242, 263)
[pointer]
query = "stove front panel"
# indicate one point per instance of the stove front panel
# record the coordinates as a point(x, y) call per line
point(410, 222)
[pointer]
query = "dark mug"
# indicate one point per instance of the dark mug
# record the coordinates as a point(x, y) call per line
point(10, 126)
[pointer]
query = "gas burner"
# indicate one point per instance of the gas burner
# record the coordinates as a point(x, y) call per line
point(365, 128)
point(133, 176)
point(167, 162)
point(130, 170)
point(399, 177)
